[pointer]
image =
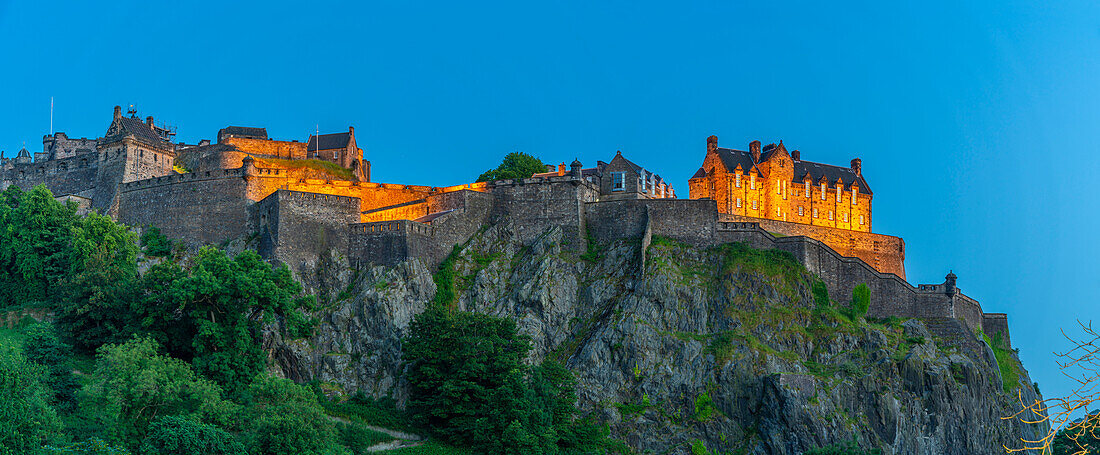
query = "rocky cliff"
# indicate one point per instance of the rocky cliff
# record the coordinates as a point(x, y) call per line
point(674, 346)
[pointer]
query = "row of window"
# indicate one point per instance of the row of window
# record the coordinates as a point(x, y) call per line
point(645, 184)
point(781, 188)
point(801, 212)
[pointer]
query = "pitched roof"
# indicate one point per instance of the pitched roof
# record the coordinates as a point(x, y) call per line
point(831, 173)
point(244, 131)
point(731, 158)
point(139, 129)
point(700, 173)
point(329, 141)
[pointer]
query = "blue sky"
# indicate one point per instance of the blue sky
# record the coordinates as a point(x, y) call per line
point(977, 123)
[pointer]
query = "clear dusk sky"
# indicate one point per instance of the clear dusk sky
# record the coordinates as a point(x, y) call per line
point(978, 123)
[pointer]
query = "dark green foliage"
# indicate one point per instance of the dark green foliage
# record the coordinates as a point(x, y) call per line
point(285, 418)
point(133, 385)
point(821, 294)
point(26, 419)
point(93, 446)
point(155, 243)
point(380, 412)
point(42, 346)
point(516, 165)
point(35, 235)
point(445, 279)
point(846, 448)
point(212, 312)
point(468, 384)
point(177, 435)
point(861, 300)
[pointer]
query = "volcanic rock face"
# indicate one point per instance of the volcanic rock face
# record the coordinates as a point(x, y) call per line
point(725, 348)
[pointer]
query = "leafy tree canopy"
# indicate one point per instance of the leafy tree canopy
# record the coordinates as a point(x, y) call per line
point(285, 418)
point(173, 435)
point(26, 419)
point(516, 165)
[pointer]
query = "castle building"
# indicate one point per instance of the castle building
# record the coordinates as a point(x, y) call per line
point(619, 179)
point(786, 195)
point(774, 184)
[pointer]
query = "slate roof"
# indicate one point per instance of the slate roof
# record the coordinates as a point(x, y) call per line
point(140, 130)
point(731, 158)
point(246, 131)
point(329, 141)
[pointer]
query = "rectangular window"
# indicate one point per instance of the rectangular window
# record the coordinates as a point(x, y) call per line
point(754, 207)
point(838, 191)
point(738, 202)
point(618, 181)
point(807, 189)
point(845, 217)
point(778, 188)
point(752, 181)
point(800, 210)
point(861, 219)
point(830, 215)
point(854, 192)
point(778, 213)
point(737, 180)
point(823, 191)
point(815, 212)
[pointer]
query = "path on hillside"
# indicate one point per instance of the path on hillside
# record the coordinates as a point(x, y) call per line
point(401, 440)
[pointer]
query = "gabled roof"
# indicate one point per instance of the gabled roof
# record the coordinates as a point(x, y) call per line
point(137, 128)
point(329, 141)
point(700, 173)
point(732, 158)
point(831, 173)
point(244, 131)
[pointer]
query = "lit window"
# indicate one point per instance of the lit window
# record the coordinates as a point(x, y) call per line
point(855, 191)
point(807, 189)
point(737, 180)
point(754, 204)
point(845, 217)
point(823, 191)
point(777, 213)
point(800, 210)
point(838, 192)
point(618, 181)
point(778, 188)
point(830, 215)
point(738, 202)
point(861, 219)
point(752, 181)
point(815, 212)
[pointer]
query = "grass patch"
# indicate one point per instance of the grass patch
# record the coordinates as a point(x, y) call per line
point(357, 438)
point(327, 167)
point(360, 408)
point(1009, 366)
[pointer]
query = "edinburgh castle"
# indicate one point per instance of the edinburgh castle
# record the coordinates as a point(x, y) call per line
point(298, 202)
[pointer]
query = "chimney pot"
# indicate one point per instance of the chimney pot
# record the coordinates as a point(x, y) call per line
point(561, 169)
point(712, 143)
point(796, 155)
point(118, 112)
point(857, 165)
point(754, 148)
point(351, 129)
point(149, 120)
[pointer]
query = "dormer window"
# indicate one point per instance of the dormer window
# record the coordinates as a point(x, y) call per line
point(823, 191)
point(855, 192)
point(807, 189)
point(752, 181)
point(737, 180)
point(838, 191)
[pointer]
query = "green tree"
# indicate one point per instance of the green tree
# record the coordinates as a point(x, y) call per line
point(285, 418)
point(133, 385)
point(212, 313)
point(178, 435)
point(26, 419)
point(42, 346)
point(155, 243)
point(516, 165)
point(468, 384)
point(35, 235)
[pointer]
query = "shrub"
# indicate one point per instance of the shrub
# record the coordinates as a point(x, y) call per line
point(155, 243)
point(42, 346)
point(516, 165)
point(285, 418)
point(177, 435)
point(93, 446)
point(27, 420)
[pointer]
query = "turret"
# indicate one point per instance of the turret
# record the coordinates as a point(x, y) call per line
point(754, 149)
point(575, 168)
point(949, 284)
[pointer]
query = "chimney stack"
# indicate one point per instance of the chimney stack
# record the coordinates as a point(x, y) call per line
point(351, 129)
point(796, 155)
point(118, 112)
point(712, 144)
point(857, 165)
point(149, 120)
point(561, 169)
point(754, 148)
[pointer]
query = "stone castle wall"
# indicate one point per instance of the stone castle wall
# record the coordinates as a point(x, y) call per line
point(297, 228)
point(198, 208)
point(883, 252)
point(291, 150)
point(71, 175)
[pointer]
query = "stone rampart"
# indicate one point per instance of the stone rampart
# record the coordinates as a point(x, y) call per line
point(198, 208)
point(71, 175)
point(883, 252)
point(297, 228)
point(535, 204)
